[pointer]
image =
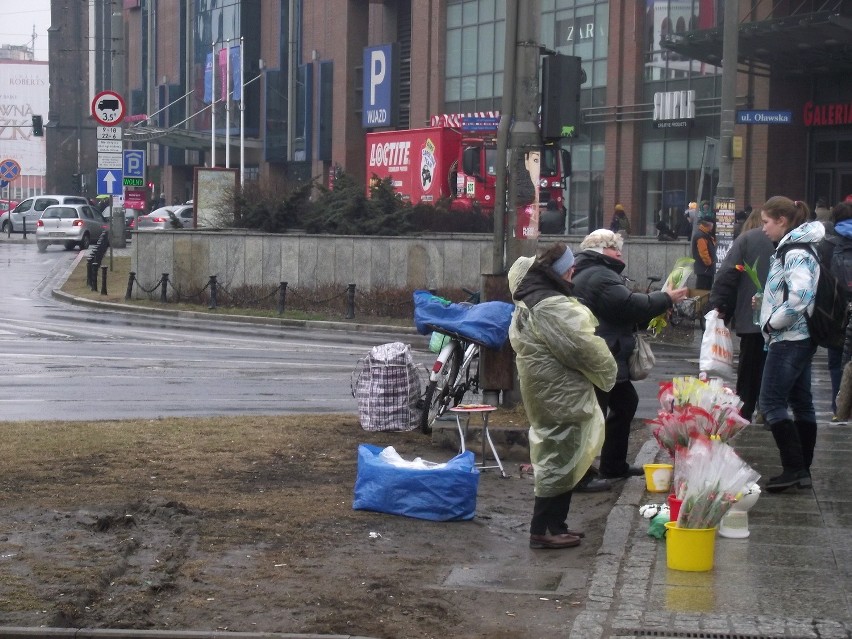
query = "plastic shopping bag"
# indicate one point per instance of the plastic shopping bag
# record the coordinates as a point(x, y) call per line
point(641, 360)
point(439, 492)
point(717, 348)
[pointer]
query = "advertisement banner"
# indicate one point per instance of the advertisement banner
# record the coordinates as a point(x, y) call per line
point(24, 88)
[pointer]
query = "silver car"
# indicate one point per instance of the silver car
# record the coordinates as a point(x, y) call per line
point(70, 225)
point(179, 216)
point(30, 210)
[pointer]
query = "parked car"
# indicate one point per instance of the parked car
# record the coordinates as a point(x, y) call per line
point(70, 225)
point(179, 216)
point(32, 208)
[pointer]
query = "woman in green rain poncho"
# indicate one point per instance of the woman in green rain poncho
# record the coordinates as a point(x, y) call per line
point(560, 360)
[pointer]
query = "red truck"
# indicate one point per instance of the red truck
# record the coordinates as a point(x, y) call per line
point(426, 165)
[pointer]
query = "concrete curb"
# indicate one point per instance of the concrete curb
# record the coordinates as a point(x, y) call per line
point(12, 632)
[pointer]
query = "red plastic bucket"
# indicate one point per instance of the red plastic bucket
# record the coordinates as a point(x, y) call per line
point(674, 507)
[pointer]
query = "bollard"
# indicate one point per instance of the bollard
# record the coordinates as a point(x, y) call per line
point(89, 272)
point(130, 279)
point(103, 280)
point(212, 292)
point(24, 220)
point(95, 266)
point(164, 281)
point(282, 297)
point(350, 302)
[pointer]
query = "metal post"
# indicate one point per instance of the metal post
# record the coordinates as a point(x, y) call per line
point(212, 292)
point(129, 291)
point(350, 302)
point(282, 297)
point(730, 53)
point(95, 267)
point(164, 282)
point(103, 280)
point(24, 220)
point(498, 264)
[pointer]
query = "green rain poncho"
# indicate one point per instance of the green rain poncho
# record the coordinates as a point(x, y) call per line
point(560, 360)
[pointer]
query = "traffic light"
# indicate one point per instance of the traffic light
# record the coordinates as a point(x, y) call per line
point(38, 126)
point(561, 77)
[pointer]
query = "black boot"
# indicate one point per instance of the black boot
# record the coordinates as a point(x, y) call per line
point(792, 461)
point(807, 436)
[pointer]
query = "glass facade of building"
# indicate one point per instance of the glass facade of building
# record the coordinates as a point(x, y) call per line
point(677, 165)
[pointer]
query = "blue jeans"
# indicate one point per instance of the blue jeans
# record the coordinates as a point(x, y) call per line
point(787, 382)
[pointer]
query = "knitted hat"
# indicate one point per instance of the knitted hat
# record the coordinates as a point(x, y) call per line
point(564, 263)
point(599, 240)
point(618, 207)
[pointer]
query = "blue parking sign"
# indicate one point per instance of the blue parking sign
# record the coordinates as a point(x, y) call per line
point(134, 163)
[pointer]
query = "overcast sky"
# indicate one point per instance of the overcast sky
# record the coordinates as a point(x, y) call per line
point(18, 19)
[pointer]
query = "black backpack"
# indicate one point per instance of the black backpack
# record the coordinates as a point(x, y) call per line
point(827, 323)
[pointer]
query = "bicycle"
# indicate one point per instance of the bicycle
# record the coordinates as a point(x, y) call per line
point(454, 373)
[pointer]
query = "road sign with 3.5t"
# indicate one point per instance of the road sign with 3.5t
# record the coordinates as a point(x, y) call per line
point(134, 164)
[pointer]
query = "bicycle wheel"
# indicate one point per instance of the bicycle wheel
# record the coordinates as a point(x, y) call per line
point(438, 393)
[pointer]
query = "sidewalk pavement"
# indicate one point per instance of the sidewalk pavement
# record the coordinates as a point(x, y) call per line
point(791, 578)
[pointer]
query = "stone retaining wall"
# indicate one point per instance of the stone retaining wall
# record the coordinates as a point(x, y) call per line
point(240, 258)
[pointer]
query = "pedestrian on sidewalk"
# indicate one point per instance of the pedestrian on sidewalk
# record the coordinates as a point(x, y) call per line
point(560, 363)
point(620, 312)
point(704, 250)
point(731, 296)
point(838, 233)
point(788, 298)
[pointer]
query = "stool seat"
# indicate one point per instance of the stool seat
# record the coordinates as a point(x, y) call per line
point(484, 410)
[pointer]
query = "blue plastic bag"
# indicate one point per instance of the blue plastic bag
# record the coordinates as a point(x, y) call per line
point(487, 323)
point(438, 494)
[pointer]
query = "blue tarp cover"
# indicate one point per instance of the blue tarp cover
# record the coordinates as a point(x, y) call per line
point(487, 323)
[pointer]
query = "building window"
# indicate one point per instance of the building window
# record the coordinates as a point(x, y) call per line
point(474, 65)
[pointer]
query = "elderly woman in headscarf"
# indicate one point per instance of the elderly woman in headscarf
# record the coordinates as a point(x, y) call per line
point(560, 361)
point(598, 282)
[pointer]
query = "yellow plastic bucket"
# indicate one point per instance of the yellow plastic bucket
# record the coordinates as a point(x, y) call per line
point(690, 549)
point(658, 477)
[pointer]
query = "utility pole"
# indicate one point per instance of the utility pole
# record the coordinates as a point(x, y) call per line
point(524, 134)
point(518, 133)
point(116, 73)
point(730, 54)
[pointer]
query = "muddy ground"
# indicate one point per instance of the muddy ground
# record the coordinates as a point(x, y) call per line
point(246, 524)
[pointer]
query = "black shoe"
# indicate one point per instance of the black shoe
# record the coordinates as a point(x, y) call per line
point(788, 479)
point(554, 541)
point(593, 485)
point(630, 471)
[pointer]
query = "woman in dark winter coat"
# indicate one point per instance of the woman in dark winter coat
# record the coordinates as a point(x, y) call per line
point(731, 296)
point(620, 312)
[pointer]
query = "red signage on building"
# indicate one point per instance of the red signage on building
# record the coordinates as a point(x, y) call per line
point(833, 114)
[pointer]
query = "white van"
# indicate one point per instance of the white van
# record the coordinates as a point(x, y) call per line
point(32, 208)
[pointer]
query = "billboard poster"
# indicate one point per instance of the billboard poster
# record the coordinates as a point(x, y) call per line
point(726, 209)
point(24, 90)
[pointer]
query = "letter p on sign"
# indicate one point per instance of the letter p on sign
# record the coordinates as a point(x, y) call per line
point(378, 64)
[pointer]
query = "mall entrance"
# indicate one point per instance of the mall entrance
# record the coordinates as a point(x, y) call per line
point(831, 176)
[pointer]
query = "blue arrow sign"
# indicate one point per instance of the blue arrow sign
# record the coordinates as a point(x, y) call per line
point(110, 182)
point(134, 163)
